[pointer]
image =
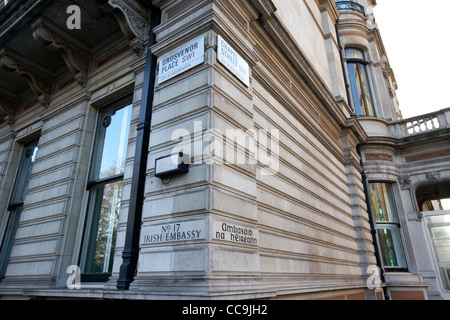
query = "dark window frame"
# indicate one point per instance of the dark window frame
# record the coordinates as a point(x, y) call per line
point(395, 223)
point(16, 201)
point(94, 183)
point(361, 65)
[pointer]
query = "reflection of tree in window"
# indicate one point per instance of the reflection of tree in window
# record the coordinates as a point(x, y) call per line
point(387, 225)
point(107, 227)
point(387, 247)
point(105, 185)
point(115, 144)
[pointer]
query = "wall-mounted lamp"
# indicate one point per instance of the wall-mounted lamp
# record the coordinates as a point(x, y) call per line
point(168, 166)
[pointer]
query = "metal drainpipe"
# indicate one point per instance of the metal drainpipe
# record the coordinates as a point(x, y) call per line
point(341, 55)
point(130, 252)
point(373, 229)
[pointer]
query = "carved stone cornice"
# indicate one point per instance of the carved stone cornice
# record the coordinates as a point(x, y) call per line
point(132, 18)
point(75, 55)
point(39, 83)
point(433, 176)
point(405, 181)
point(265, 7)
point(8, 109)
point(330, 6)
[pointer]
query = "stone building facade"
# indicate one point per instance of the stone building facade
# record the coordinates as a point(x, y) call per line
point(210, 149)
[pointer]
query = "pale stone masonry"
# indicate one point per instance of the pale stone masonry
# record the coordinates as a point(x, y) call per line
point(275, 203)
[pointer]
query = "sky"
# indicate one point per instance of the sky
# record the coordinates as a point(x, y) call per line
point(417, 41)
point(416, 38)
point(446, 204)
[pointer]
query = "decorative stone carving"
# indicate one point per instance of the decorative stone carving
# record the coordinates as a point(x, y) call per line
point(391, 93)
point(419, 216)
point(8, 109)
point(384, 67)
point(405, 181)
point(132, 20)
point(433, 176)
point(76, 58)
point(40, 84)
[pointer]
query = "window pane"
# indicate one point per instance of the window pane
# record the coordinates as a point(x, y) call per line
point(103, 229)
point(355, 84)
point(105, 185)
point(349, 53)
point(15, 207)
point(391, 248)
point(439, 232)
point(27, 160)
point(352, 53)
point(9, 239)
point(115, 143)
point(365, 93)
point(383, 202)
point(442, 250)
point(359, 82)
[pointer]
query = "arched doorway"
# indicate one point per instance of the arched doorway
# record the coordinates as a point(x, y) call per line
point(432, 197)
point(434, 203)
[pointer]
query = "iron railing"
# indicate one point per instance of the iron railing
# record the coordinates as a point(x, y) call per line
point(350, 6)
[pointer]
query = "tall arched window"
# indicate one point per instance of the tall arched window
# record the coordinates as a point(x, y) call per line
point(359, 82)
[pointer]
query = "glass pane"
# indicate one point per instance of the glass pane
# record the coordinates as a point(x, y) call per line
point(103, 230)
point(366, 94)
point(27, 160)
point(359, 82)
point(8, 239)
point(15, 208)
point(391, 249)
point(383, 202)
point(442, 250)
point(356, 88)
point(439, 232)
point(352, 53)
point(115, 143)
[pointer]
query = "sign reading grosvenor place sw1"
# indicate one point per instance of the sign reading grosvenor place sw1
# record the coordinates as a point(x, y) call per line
point(232, 61)
point(181, 59)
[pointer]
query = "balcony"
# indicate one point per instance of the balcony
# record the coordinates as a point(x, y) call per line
point(417, 128)
point(422, 124)
point(344, 6)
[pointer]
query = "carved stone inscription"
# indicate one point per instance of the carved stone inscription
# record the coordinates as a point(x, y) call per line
point(235, 233)
point(173, 232)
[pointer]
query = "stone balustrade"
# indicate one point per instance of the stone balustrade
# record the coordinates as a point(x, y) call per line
point(425, 123)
